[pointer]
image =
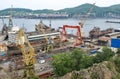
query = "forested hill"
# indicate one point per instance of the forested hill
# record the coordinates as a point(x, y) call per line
point(113, 10)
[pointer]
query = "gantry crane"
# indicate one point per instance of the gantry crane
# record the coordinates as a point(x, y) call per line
point(78, 35)
point(84, 19)
point(28, 53)
point(40, 28)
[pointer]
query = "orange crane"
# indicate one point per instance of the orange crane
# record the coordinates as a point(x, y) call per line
point(84, 19)
point(78, 35)
point(28, 53)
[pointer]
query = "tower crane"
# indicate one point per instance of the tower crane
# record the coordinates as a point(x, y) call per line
point(84, 19)
point(28, 53)
point(40, 28)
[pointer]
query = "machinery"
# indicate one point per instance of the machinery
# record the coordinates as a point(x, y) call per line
point(78, 35)
point(84, 19)
point(49, 46)
point(28, 53)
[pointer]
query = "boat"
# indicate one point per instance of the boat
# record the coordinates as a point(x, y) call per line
point(96, 32)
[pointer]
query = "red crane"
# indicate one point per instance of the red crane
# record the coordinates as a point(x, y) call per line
point(78, 35)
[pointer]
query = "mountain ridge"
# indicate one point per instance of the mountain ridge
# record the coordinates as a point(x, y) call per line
point(81, 9)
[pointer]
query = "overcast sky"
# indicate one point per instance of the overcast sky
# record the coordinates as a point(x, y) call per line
point(53, 4)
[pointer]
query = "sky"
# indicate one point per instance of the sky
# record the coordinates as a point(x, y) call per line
point(52, 4)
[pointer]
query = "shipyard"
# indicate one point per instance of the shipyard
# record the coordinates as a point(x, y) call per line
point(72, 43)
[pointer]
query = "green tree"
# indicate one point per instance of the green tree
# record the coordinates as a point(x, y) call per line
point(77, 58)
point(62, 64)
point(35, 77)
point(81, 60)
point(67, 62)
point(87, 61)
point(106, 54)
point(118, 52)
point(98, 58)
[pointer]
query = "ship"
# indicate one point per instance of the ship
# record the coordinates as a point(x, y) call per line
point(36, 39)
point(96, 32)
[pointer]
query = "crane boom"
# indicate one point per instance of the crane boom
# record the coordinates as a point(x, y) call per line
point(88, 13)
point(84, 19)
point(28, 54)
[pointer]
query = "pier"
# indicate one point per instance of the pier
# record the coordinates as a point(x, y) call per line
point(113, 22)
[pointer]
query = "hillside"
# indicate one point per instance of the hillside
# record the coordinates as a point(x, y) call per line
point(112, 11)
point(80, 65)
point(104, 70)
point(82, 9)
